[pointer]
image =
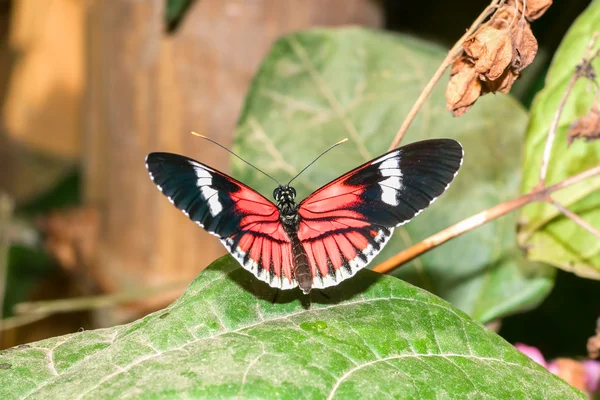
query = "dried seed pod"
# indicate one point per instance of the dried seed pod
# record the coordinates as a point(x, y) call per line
point(463, 88)
point(586, 127)
point(502, 84)
point(524, 46)
point(505, 17)
point(491, 50)
point(533, 9)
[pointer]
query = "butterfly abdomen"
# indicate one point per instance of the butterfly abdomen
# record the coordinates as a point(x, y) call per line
point(300, 267)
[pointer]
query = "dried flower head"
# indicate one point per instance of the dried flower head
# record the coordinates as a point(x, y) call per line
point(495, 54)
point(586, 127)
point(533, 8)
point(524, 46)
point(505, 17)
point(464, 87)
point(491, 50)
point(502, 84)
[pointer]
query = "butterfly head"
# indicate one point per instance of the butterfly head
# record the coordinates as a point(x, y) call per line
point(285, 197)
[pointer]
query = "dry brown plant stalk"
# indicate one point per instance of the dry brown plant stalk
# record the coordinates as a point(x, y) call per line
point(539, 193)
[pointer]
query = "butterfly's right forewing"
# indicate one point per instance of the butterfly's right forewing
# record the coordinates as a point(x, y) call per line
point(347, 222)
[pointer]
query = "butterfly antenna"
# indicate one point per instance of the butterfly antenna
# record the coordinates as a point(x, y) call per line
point(226, 149)
point(320, 155)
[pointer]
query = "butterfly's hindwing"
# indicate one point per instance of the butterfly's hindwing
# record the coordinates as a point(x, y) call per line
point(247, 224)
point(346, 223)
point(334, 257)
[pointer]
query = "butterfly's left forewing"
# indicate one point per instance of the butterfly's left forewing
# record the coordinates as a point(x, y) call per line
point(346, 223)
point(247, 224)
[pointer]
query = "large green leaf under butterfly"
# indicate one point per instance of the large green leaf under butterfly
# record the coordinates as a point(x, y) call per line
point(374, 337)
point(315, 88)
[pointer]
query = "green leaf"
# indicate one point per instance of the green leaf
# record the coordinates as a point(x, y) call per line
point(26, 268)
point(315, 88)
point(373, 337)
point(175, 11)
point(544, 232)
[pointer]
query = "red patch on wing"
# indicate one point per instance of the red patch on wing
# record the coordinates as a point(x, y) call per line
point(245, 242)
point(348, 251)
point(310, 229)
point(286, 265)
point(256, 249)
point(329, 225)
point(247, 201)
point(266, 254)
point(333, 251)
point(265, 240)
point(318, 250)
point(358, 240)
point(337, 194)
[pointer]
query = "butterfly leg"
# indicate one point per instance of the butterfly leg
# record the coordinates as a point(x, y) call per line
point(277, 291)
point(322, 292)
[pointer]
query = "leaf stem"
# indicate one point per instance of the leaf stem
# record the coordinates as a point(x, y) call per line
point(575, 218)
point(537, 194)
point(48, 307)
point(454, 52)
point(20, 320)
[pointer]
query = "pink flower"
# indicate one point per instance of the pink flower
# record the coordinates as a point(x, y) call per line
point(533, 353)
point(583, 375)
point(592, 368)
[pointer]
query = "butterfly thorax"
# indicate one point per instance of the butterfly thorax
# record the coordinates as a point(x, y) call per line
point(288, 211)
point(285, 197)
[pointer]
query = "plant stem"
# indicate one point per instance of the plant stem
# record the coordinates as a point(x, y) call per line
point(48, 307)
point(554, 127)
point(454, 52)
point(6, 209)
point(20, 320)
point(575, 218)
point(538, 194)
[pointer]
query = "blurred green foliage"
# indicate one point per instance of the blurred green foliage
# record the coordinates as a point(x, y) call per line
point(175, 12)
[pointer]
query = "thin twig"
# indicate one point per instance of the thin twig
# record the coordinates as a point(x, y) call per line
point(48, 307)
point(580, 71)
point(20, 320)
point(575, 218)
point(6, 209)
point(454, 52)
point(539, 194)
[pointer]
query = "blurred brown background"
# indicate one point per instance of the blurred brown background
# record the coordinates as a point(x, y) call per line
point(89, 87)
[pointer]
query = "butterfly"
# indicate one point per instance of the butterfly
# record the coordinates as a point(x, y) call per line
point(328, 236)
